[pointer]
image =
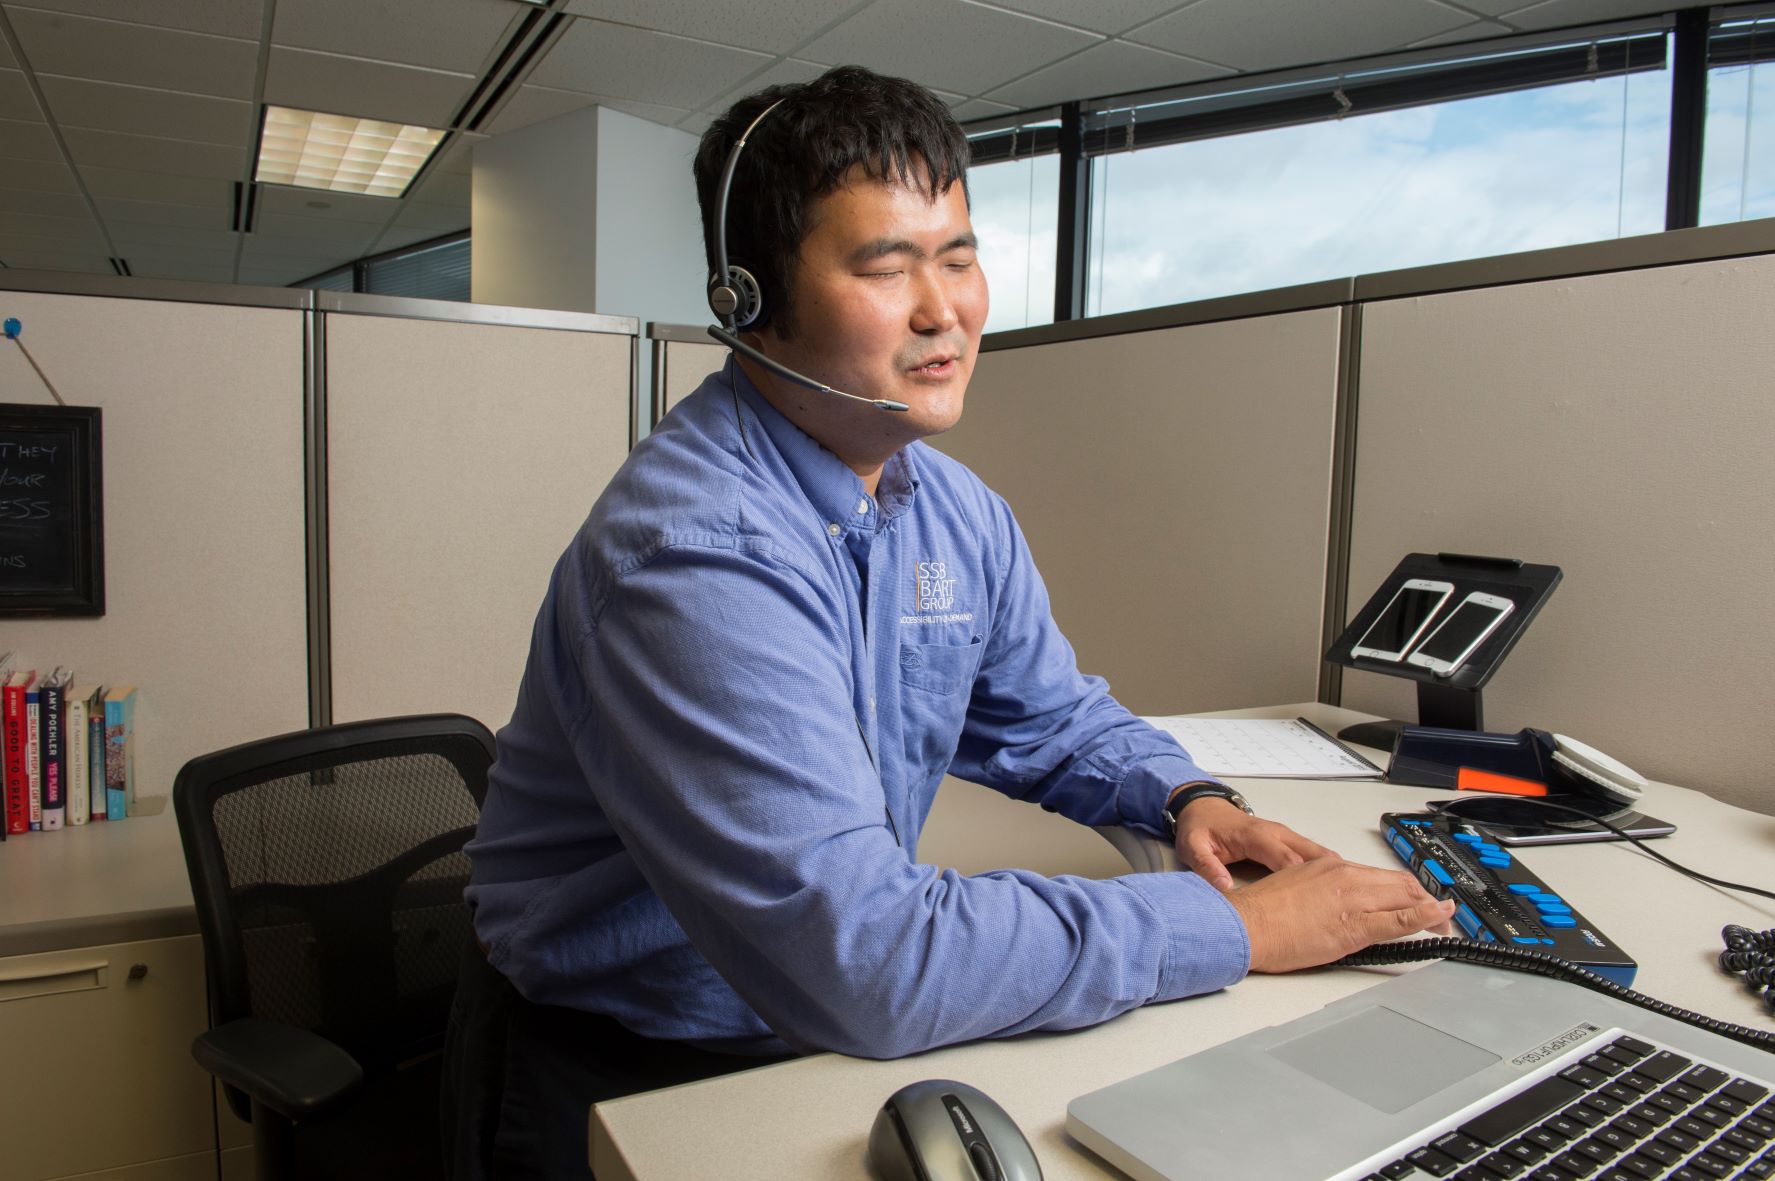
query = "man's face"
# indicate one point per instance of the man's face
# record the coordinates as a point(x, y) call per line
point(889, 303)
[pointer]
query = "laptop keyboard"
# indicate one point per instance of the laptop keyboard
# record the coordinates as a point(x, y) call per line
point(1631, 1111)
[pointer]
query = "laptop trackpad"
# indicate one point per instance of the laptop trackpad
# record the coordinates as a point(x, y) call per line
point(1386, 1060)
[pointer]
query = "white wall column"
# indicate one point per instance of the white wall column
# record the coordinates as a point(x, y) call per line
point(592, 211)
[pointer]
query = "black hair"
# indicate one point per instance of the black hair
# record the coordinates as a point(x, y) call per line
point(846, 117)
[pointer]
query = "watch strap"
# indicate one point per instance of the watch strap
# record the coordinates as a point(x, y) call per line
point(1189, 793)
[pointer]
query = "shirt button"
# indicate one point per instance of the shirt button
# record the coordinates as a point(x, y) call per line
point(835, 529)
point(863, 507)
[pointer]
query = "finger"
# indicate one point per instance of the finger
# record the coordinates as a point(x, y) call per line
point(1198, 852)
point(1379, 926)
point(1268, 845)
point(1308, 850)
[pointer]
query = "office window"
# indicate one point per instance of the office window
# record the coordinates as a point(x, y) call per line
point(1328, 177)
point(1013, 188)
point(428, 272)
point(335, 280)
point(1738, 150)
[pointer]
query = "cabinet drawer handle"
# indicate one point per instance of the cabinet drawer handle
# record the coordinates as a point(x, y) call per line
point(17, 985)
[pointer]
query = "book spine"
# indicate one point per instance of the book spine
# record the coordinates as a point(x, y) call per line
point(34, 754)
point(18, 783)
point(116, 762)
point(55, 766)
point(75, 744)
point(95, 757)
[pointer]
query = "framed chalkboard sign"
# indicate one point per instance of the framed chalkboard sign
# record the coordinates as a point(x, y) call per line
point(52, 511)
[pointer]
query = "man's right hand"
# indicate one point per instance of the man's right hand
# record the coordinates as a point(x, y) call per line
point(1321, 910)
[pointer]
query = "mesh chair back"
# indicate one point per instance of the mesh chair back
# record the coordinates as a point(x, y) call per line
point(328, 871)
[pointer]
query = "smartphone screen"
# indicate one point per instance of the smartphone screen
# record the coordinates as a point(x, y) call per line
point(1451, 642)
point(1403, 619)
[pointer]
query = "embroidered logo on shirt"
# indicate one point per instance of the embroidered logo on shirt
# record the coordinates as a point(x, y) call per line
point(936, 590)
point(933, 596)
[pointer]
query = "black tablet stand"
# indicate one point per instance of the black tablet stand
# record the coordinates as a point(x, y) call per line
point(1452, 701)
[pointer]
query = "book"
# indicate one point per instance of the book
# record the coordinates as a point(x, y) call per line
point(78, 741)
point(5, 676)
point(51, 754)
point(12, 731)
point(95, 758)
point(120, 751)
point(33, 752)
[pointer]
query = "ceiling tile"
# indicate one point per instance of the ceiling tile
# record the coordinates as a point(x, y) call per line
point(979, 108)
point(16, 99)
point(460, 35)
point(439, 219)
point(137, 55)
point(593, 57)
point(21, 140)
point(1100, 16)
point(696, 123)
point(784, 73)
point(76, 102)
point(6, 57)
point(444, 188)
point(318, 253)
point(458, 155)
point(352, 237)
point(158, 214)
point(777, 27)
point(227, 18)
point(534, 104)
point(357, 86)
point(1116, 65)
point(147, 153)
point(981, 48)
point(212, 266)
point(158, 186)
point(49, 258)
point(46, 204)
point(81, 229)
point(1247, 36)
point(1477, 31)
point(271, 273)
point(38, 176)
point(128, 236)
point(1556, 13)
point(352, 207)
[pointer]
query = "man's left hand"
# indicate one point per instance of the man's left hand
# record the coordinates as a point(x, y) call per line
point(1212, 833)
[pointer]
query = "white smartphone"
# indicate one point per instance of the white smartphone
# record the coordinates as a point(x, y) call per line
point(1460, 634)
point(1399, 626)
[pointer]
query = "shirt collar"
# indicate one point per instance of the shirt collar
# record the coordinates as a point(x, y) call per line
point(835, 491)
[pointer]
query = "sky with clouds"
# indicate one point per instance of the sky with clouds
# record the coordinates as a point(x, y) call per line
point(1576, 162)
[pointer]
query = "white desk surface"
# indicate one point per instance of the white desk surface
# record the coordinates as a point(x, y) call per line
point(116, 881)
point(811, 1117)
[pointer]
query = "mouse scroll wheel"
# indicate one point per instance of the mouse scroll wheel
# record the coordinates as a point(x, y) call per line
point(984, 1163)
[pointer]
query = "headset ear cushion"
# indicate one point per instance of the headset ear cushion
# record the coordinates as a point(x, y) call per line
point(739, 298)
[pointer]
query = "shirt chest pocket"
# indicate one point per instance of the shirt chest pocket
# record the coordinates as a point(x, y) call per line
point(940, 668)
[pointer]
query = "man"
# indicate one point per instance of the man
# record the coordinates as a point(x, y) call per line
point(784, 621)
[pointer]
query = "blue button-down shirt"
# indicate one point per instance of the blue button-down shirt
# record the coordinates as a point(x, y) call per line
point(746, 682)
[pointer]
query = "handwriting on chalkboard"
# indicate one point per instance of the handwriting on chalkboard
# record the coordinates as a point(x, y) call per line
point(51, 510)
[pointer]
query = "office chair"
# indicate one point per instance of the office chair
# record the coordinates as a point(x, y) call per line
point(328, 872)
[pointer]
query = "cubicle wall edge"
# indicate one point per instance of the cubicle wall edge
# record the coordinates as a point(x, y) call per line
point(314, 481)
point(168, 290)
point(1343, 480)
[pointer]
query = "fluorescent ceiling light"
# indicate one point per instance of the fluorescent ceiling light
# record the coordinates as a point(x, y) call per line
point(341, 153)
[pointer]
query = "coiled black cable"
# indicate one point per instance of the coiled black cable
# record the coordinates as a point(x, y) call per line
point(1539, 963)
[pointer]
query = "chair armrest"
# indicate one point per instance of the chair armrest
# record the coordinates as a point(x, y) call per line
point(294, 1072)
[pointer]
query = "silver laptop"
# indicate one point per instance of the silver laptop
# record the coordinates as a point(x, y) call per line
point(1449, 1071)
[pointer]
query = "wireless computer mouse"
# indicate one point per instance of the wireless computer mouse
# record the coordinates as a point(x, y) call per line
point(941, 1130)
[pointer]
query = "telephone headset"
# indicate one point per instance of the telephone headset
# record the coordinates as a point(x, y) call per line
point(737, 299)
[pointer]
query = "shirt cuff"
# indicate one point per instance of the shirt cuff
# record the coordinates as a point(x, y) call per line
point(1141, 800)
point(1206, 947)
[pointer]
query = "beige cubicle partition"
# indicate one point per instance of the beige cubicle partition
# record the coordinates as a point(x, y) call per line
point(1175, 489)
point(203, 495)
point(1618, 426)
point(683, 355)
point(462, 456)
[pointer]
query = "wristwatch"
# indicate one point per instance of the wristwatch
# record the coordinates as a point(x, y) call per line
point(1189, 793)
